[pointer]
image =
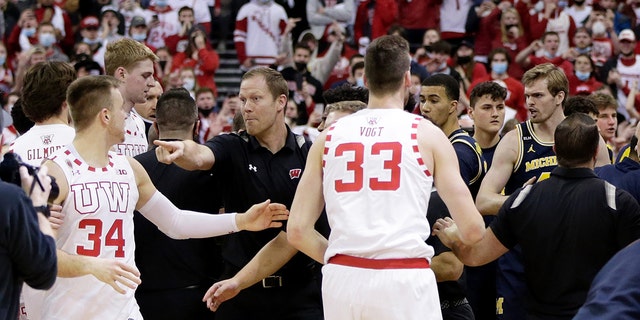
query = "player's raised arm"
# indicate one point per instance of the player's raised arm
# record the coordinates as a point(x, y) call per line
point(184, 224)
point(188, 155)
point(449, 183)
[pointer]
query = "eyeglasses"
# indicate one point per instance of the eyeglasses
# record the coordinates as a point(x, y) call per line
point(92, 28)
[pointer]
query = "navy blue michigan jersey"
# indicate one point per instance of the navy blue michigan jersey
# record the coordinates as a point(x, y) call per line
point(473, 167)
point(535, 158)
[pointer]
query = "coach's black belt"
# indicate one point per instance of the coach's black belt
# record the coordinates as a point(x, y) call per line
point(272, 282)
point(446, 304)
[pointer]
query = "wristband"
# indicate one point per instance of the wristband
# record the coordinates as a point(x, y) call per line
point(44, 210)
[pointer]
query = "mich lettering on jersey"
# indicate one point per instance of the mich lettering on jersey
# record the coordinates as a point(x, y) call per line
point(534, 164)
point(87, 200)
point(41, 153)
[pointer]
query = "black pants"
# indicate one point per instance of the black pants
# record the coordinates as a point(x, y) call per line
point(461, 312)
point(174, 304)
point(300, 301)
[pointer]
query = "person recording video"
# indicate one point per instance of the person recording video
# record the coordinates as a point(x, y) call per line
point(27, 246)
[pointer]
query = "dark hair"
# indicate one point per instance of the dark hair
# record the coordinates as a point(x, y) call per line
point(397, 29)
point(45, 89)
point(185, 8)
point(549, 33)
point(386, 61)
point(493, 89)
point(499, 50)
point(441, 46)
point(176, 111)
point(303, 46)
point(346, 92)
point(202, 90)
point(20, 120)
point(358, 65)
point(580, 104)
point(449, 83)
point(576, 140)
point(355, 56)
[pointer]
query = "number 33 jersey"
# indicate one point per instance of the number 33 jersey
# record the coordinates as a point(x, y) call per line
point(98, 222)
point(376, 186)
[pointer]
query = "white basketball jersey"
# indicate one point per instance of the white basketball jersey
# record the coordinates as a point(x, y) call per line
point(376, 186)
point(37, 144)
point(628, 74)
point(98, 222)
point(135, 138)
point(41, 141)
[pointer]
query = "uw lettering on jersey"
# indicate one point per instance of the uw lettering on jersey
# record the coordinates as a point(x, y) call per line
point(41, 141)
point(98, 223)
point(135, 138)
point(535, 158)
point(376, 183)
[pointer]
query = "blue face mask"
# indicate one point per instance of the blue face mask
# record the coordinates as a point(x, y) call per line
point(583, 76)
point(3, 59)
point(28, 31)
point(90, 41)
point(499, 67)
point(360, 82)
point(162, 3)
point(139, 36)
point(46, 39)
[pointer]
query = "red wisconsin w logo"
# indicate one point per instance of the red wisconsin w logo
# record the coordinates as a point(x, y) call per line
point(295, 173)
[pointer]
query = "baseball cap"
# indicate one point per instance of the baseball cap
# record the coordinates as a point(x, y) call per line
point(138, 21)
point(466, 43)
point(89, 21)
point(109, 8)
point(627, 34)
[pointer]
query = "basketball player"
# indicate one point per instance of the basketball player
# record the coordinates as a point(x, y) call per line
point(99, 191)
point(523, 156)
point(131, 62)
point(375, 170)
point(43, 101)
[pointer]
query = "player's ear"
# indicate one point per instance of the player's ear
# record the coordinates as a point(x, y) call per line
point(104, 115)
point(282, 102)
point(121, 73)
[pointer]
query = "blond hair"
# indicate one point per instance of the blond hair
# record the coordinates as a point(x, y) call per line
point(126, 53)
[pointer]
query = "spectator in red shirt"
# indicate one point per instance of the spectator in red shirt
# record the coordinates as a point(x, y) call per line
point(48, 11)
point(374, 17)
point(499, 62)
point(583, 81)
point(512, 38)
point(201, 57)
point(549, 44)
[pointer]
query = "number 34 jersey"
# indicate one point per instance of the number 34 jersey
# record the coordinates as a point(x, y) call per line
point(376, 186)
point(98, 222)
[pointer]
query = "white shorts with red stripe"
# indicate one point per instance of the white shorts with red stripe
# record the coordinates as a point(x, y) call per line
point(364, 293)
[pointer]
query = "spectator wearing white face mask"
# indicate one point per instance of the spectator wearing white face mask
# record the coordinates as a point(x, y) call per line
point(499, 62)
point(47, 39)
point(139, 31)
